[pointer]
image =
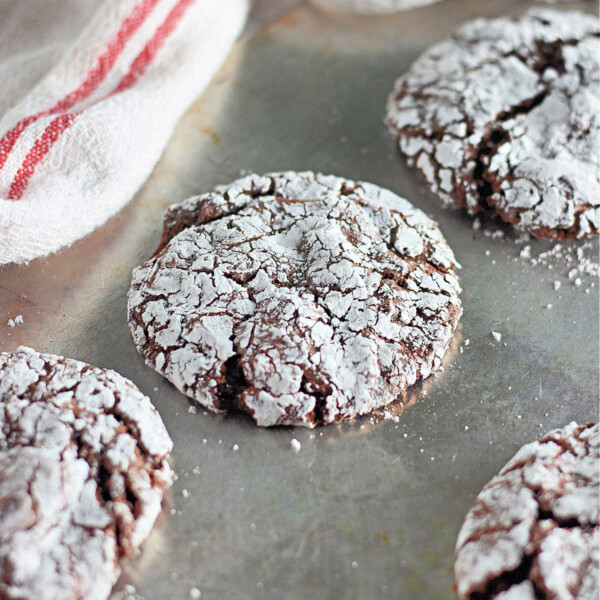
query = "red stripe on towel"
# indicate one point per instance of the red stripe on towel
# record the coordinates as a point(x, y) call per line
point(63, 122)
point(94, 78)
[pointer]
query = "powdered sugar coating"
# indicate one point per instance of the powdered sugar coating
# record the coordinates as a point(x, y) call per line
point(82, 474)
point(534, 532)
point(503, 117)
point(298, 298)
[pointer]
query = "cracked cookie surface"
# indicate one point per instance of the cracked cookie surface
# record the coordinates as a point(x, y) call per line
point(533, 532)
point(503, 118)
point(82, 474)
point(297, 298)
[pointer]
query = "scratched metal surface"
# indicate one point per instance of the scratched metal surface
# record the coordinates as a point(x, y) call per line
point(365, 510)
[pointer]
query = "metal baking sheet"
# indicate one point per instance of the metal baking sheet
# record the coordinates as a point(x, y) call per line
point(368, 509)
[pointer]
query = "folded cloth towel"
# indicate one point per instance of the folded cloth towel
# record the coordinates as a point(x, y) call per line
point(91, 92)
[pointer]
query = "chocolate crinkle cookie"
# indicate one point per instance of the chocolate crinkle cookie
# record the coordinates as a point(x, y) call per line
point(297, 298)
point(503, 118)
point(82, 474)
point(533, 533)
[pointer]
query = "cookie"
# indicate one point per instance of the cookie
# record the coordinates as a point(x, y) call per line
point(533, 532)
point(503, 118)
point(297, 298)
point(82, 473)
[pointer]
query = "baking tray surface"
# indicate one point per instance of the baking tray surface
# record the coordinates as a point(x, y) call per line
point(371, 508)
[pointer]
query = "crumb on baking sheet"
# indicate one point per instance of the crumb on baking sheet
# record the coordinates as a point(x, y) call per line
point(18, 320)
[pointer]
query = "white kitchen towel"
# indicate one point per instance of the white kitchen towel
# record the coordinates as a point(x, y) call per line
point(91, 91)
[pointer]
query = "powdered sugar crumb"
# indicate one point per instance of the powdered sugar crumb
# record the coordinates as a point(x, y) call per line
point(18, 320)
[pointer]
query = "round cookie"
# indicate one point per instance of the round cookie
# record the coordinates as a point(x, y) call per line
point(82, 474)
point(533, 532)
point(503, 118)
point(297, 298)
